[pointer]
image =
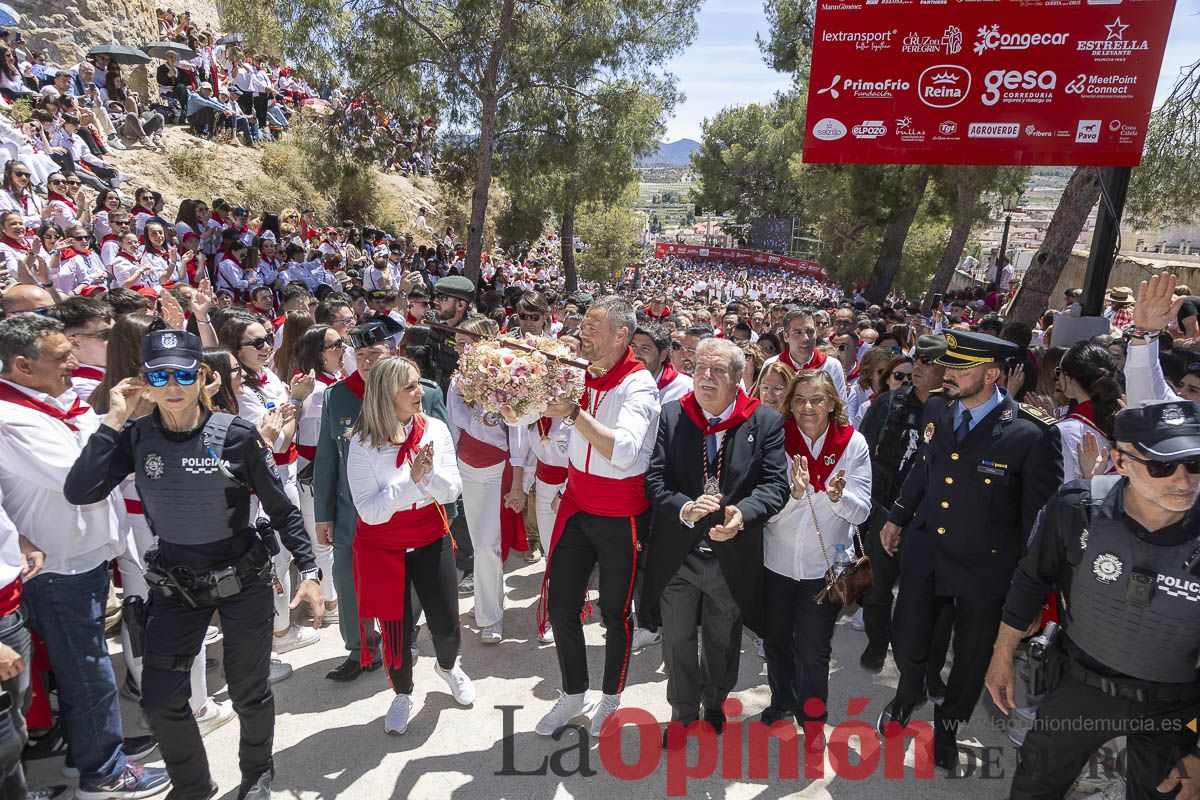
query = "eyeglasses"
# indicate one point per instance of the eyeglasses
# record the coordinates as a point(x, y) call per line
point(531, 317)
point(56, 181)
point(338, 345)
point(19, 174)
point(101, 336)
point(904, 377)
point(439, 297)
point(161, 377)
point(815, 402)
point(124, 222)
point(261, 343)
point(1164, 469)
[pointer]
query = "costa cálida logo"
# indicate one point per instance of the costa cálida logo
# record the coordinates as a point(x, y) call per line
point(944, 85)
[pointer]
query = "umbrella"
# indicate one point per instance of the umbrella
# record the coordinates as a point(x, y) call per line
point(232, 38)
point(160, 50)
point(120, 54)
point(8, 15)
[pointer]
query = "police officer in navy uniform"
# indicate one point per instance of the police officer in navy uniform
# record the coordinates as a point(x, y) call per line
point(964, 515)
point(1121, 551)
point(195, 471)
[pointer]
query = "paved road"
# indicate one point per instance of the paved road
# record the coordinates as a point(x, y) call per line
point(330, 742)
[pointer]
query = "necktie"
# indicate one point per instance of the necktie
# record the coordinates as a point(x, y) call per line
point(964, 426)
point(710, 441)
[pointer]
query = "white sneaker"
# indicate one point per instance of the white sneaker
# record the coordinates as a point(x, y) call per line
point(608, 704)
point(330, 618)
point(279, 671)
point(396, 720)
point(857, 623)
point(644, 638)
point(295, 638)
point(460, 685)
point(214, 715)
point(567, 708)
point(493, 634)
point(115, 143)
point(547, 637)
point(213, 635)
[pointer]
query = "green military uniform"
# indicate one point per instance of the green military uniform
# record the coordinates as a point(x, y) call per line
point(331, 490)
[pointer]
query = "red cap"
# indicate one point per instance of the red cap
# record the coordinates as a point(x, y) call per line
point(146, 291)
point(90, 291)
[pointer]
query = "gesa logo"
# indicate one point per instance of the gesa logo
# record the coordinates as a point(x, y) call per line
point(1015, 86)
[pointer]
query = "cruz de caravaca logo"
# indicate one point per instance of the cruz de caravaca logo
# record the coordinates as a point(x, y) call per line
point(949, 43)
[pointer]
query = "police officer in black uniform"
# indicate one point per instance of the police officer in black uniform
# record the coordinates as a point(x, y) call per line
point(1121, 553)
point(195, 471)
point(965, 511)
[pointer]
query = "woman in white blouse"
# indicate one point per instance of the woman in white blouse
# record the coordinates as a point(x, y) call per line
point(831, 496)
point(1089, 378)
point(17, 194)
point(402, 470)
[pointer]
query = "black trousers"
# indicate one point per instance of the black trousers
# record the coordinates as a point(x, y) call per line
point(13, 733)
point(877, 601)
point(429, 574)
point(1074, 720)
point(174, 632)
point(260, 109)
point(464, 555)
point(798, 643)
point(588, 539)
point(976, 621)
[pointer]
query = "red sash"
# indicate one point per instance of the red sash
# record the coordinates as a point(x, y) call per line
point(551, 475)
point(10, 597)
point(820, 468)
point(481, 455)
point(669, 373)
point(306, 451)
point(10, 395)
point(88, 373)
point(356, 384)
point(287, 456)
point(379, 574)
point(134, 507)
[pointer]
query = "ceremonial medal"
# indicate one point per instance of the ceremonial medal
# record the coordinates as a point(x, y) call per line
point(711, 486)
point(929, 433)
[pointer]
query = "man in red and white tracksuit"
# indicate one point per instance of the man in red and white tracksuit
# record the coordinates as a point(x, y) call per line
point(602, 511)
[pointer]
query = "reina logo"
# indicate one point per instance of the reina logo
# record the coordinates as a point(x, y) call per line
point(944, 85)
point(829, 130)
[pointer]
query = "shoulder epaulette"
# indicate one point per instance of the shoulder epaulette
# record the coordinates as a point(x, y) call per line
point(1038, 415)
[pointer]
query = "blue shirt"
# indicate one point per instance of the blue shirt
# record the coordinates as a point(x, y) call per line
point(980, 411)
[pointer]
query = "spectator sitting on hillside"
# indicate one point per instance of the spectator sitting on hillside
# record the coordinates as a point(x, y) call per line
point(204, 113)
point(97, 173)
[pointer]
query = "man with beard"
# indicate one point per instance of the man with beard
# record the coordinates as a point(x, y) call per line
point(800, 330)
point(452, 299)
point(652, 347)
point(965, 512)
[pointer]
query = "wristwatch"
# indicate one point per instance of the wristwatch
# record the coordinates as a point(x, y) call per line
point(313, 574)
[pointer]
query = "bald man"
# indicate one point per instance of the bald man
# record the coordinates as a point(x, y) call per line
point(23, 297)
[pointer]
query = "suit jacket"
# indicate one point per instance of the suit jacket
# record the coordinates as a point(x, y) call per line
point(968, 507)
point(331, 490)
point(754, 477)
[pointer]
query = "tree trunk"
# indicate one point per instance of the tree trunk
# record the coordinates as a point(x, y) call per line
point(567, 234)
point(1082, 192)
point(960, 229)
point(483, 186)
point(888, 262)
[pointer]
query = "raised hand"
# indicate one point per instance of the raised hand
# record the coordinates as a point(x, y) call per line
point(799, 476)
point(172, 312)
point(1156, 307)
point(1092, 457)
point(835, 486)
point(302, 385)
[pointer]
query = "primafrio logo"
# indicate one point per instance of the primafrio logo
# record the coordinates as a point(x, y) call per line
point(829, 130)
point(944, 85)
point(949, 43)
point(1117, 45)
point(1015, 86)
point(990, 37)
point(865, 90)
point(869, 129)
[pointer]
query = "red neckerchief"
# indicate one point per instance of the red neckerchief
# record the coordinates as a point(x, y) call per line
point(110, 237)
point(229, 255)
point(669, 373)
point(60, 198)
point(411, 319)
point(70, 252)
point(612, 378)
point(10, 395)
point(666, 312)
point(543, 426)
point(24, 197)
point(1084, 413)
point(743, 407)
point(88, 373)
point(126, 256)
point(408, 448)
point(818, 358)
point(819, 469)
point(139, 210)
point(16, 244)
point(217, 216)
point(277, 323)
point(327, 378)
point(356, 384)
point(854, 372)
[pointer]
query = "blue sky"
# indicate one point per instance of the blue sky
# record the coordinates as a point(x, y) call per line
point(723, 66)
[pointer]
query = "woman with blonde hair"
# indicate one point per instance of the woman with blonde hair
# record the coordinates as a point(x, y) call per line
point(831, 496)
point(402, 470)
point(772, 385)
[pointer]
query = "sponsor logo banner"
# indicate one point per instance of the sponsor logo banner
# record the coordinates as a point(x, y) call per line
point(1072, 81)
point(741, 257)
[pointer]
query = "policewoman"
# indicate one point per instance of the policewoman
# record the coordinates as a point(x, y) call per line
point(195, 470)
point(1122, 553)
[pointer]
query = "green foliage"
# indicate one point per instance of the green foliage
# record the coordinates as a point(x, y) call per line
point(610, 232)
point(788, 48)
point(20, 111)
point(188, 163)
point(1165, 189)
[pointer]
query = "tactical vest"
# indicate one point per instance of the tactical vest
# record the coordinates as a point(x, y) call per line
point(898, 443)
point(1152, 640)
point(182, 485)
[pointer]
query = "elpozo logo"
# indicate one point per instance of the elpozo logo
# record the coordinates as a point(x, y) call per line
point(944, 85)
point(829, 130)
point(990, 37)
point(869, 129)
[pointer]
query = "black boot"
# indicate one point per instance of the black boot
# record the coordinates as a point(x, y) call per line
point(945, 741)
point(259, 790)
point(350, 669)
point(872, 658)
point(894, 712)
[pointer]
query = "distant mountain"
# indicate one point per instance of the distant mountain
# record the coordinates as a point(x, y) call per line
point(671, 154)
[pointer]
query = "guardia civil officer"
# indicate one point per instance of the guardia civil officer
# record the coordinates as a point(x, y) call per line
point(1121, 552)
point(965, 511)
point(195, 470)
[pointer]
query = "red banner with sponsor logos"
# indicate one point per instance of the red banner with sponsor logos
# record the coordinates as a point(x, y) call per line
point(752, 258)
point(1050, 82)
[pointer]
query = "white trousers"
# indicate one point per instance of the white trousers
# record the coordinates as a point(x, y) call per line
point(544, 494)
point(323, 552)
point(481, 502)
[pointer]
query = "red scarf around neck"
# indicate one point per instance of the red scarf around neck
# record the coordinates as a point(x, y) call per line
point(65, 201)
point(669, 373)
point(817, 360)
point(88, 373)
point(356, 384)
point(110, 237)
point(10, 395)
point(821, 467)
point(611, 379)
point(70, 252)
point(1084, 413)
point(16, 244)
point(743, 407)
point(230, 256)
point(408, 448)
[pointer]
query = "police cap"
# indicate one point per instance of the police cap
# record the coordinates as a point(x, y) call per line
point(456, 286)
point(966, 349)
point(1161, 431)
point(377, 330)
point(169, 349)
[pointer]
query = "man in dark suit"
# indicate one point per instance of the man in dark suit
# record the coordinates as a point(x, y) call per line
point(717, 474)
point(966, 511)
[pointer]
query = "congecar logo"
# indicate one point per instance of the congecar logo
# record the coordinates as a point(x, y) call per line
point(829, 130)
point(944, 85)
point(990, 37)
point(869, 129)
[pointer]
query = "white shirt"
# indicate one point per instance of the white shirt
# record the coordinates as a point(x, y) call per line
point(790, 546)
point(83, 387)
point(631, 411)
point(551, 451)
point(36, 453)
point(78, 270)
point(673, 390)
point(11, 560)
point(1071, 431)
point(1144, 382)
point(463, 417)
point(380, 488)
point(308, 427)
point(254, 405)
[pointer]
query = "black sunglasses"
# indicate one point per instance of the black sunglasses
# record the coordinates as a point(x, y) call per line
point(20, 174)
point(1164, 469)
point(905, 377)
point(927, 360)
point(261, 343)
point(530, 317)
point(338, 345)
